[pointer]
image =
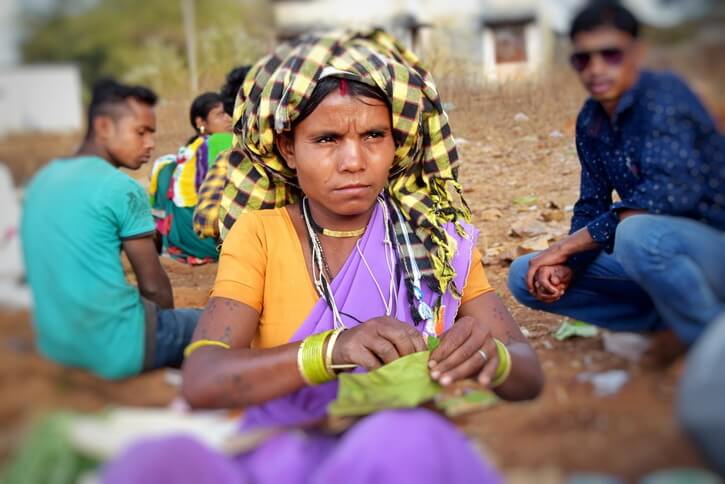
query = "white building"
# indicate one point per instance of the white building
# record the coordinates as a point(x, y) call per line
point(40, 98)
point(8, 32)
point(500, 39)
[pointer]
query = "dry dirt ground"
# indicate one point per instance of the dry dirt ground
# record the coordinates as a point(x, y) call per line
point(513, 171)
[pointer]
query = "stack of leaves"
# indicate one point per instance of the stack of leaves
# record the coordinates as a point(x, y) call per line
point(403, 383)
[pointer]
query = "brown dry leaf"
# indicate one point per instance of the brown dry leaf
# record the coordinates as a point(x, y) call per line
point(528, 225)
point(490, 215)
point(534, 244)
point(552, 215)
point(492, 256)
point(508, 256)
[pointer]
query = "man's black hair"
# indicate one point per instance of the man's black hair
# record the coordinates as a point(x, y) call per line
point(109, 97)
point(604, 13)
point(202, 105)
point(231, 87)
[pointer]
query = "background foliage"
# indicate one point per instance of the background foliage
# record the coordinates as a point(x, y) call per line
point(148, 45)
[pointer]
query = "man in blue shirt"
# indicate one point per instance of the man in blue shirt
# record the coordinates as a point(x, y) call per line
point(78, 214)
point(655, 259)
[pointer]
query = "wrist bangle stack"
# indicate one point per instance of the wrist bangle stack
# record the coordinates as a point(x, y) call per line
point(311, 358)
point(503, 370)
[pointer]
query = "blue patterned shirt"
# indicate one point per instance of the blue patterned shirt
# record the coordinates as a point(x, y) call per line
point(661, 152)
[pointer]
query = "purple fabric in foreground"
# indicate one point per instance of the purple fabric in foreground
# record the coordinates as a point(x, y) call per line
point(174, 460)
point(394, 446)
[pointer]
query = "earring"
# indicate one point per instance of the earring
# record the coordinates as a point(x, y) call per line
point(202, 129)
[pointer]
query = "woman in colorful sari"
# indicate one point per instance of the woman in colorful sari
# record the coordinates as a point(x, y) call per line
point(353, 247)
point(176, 179)
point(206, 213)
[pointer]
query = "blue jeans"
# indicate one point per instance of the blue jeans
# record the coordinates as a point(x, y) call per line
point(174, 329)
point(664, 272)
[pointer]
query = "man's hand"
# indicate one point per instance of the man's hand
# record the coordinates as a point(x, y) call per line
point(559, 253)
point(551, 282)
point(553, 256)
point(153, 283)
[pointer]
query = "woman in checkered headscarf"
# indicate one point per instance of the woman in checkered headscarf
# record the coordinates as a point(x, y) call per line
point(347, 245)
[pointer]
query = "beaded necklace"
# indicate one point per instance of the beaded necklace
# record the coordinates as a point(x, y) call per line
point(322, 275)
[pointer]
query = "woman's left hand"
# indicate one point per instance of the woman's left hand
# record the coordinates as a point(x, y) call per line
point(466, 350)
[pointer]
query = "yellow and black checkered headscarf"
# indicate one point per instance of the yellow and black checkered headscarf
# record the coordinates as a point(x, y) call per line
point(422, 181)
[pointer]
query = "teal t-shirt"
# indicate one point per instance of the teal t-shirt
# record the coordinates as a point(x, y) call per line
point(75, 214)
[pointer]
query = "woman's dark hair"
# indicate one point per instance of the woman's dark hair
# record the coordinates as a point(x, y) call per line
point(230, 89)
point(330, 84)
point(604, 13)
point(202, 105)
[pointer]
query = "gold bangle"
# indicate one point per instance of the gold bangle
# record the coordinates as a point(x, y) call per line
point(201, 343)
point(328, 353)
point(300, 364)
point(503, 370)
point(311, 359)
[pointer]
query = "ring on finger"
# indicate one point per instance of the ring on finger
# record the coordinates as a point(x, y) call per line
point(483, 355)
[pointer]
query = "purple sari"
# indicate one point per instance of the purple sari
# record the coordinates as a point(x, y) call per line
point(356, 294)
point(413, 445)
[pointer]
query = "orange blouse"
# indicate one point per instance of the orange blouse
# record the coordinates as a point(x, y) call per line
point(262, 265)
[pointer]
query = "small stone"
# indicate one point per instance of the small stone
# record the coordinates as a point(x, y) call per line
point(630, 346)
point(605, 383)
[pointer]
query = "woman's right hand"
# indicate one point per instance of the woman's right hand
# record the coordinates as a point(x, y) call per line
point(376, 342)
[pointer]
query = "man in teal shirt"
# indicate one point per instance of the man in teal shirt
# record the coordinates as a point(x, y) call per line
point(78, 214)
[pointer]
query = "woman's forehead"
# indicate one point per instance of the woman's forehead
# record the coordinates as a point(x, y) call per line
point(338, 107)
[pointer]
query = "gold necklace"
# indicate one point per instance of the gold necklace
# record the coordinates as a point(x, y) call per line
point(343, 233)
point(340, 234)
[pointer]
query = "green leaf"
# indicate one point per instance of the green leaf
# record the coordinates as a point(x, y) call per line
point(47, 455)
point(433, 342)
point(571, 329)
point(404, 383)
point(526, 200)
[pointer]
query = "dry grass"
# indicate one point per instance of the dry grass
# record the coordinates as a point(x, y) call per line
point(485, 112)
point(477, 110)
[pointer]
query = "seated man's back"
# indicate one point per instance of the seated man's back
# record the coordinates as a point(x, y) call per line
point(76, 213)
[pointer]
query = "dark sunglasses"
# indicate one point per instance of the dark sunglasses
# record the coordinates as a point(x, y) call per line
point(611, 55)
